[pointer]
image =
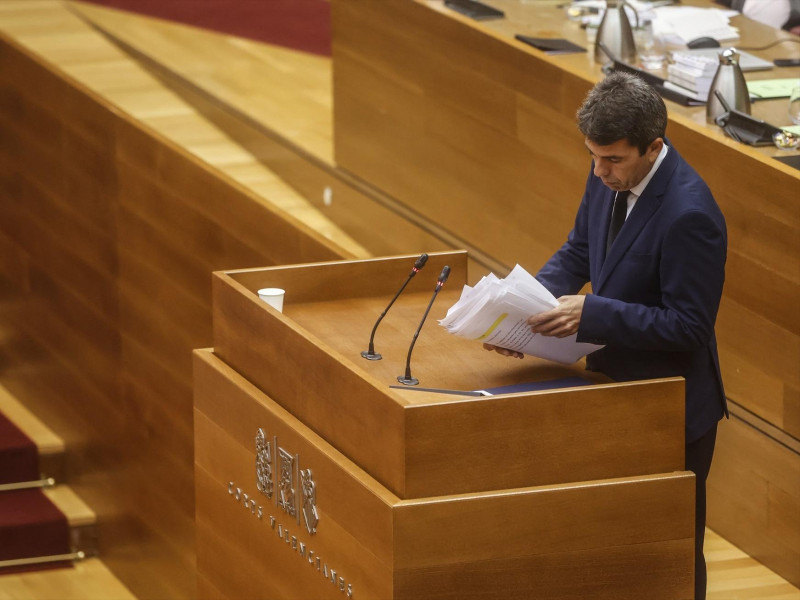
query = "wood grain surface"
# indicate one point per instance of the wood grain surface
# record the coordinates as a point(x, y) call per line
point(109, 233)
point(426, 444)
point(488, 123)
point(756, 474)
point(66, 96)
point(517, 543)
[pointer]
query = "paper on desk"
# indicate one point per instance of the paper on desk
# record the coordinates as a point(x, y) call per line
point(688, 23)
point(495, 311)
point(772, 88)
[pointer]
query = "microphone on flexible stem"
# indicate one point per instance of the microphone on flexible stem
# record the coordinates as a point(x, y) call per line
point(407, 379)
point(371, 354)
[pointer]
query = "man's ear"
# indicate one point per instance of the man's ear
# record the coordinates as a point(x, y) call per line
point(654, 149)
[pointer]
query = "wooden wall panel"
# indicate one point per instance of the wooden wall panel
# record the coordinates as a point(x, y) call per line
point(401, 101)
point(758, 330)
point(766, 387)
point(220, 200)
point(354, 207)
point(421, 90)
point(757, 475)
point(110, 235)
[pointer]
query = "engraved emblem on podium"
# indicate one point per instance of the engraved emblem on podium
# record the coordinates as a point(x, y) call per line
point(280, 478)
point(310, 514)
point(287, 483)
point(264, 479)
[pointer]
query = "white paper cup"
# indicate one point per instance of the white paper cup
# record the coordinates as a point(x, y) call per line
point(273, 297)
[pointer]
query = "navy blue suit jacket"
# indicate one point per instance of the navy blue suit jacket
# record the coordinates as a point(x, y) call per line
point(655, 296)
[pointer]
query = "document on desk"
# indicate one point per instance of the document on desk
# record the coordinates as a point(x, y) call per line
point(765, 89)
point(495, 311)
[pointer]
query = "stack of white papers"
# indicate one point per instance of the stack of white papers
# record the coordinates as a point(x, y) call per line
point(682, 24)
point(495, 311)
point(693, 74)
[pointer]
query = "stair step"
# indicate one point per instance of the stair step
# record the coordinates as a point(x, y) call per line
point(26, 515)
point(50, 446)
point(82, 519)
point(90, 579)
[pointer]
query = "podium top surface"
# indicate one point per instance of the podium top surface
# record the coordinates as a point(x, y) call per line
point(439, 359)
point(307, 359)
point(342, 323)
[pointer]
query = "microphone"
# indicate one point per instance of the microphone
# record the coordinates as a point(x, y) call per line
point(407, 379)
point(371, 354)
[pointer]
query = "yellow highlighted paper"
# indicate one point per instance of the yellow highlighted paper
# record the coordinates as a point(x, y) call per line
point(494, 326)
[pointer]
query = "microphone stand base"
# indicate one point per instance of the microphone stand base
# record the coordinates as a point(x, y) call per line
point(371, 355)
point(408, 380)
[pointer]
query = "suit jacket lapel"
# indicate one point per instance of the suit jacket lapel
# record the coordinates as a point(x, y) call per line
point(642, 211)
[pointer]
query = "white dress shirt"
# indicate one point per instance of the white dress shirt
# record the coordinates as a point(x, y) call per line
point(637, 190)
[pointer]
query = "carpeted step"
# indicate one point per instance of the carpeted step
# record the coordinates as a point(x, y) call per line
point(24, 428)
point(28, 517)
point(300, 24)
point(81, 519)
point(19, 459)
point(31, 526)
point(36, 524)
point(49, 522)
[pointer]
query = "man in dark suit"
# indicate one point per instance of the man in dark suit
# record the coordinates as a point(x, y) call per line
point(652, 241)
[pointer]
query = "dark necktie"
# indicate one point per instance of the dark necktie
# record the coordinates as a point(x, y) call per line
point(617, 218)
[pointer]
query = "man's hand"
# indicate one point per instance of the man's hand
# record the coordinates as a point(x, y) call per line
point(503, 351)
point(561, 321)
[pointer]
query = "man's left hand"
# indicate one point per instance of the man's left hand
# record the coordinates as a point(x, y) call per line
point(561, 321)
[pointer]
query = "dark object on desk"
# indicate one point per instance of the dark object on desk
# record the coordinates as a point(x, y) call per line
point(702, 42)
point(551, 46)
point(742, 127)
point(535, 386)
point(654, 80)
point(474, 9)
point(792, 161)
point(658, 84)
point(746, 129)
point(787, 62)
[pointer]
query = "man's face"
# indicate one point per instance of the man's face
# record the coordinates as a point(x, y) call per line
point(619, 165)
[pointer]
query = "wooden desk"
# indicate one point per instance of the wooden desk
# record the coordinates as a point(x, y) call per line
point(476, 132)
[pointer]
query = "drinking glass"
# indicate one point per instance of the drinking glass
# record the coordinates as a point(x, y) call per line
point(794, 105)
point(650, 48)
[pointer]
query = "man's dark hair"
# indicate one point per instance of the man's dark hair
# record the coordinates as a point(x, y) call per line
point(623, 106)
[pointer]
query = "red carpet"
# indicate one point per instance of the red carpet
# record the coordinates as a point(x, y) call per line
point(30, 524)
point(19, 460)
point(299, 24)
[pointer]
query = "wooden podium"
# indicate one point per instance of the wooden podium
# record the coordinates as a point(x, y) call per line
point(316, 479)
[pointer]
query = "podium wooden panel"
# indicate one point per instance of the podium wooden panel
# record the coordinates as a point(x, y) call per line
point(416, 443)
point(569, 493)
point(570, 540)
